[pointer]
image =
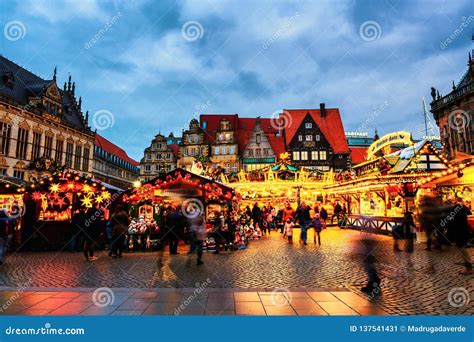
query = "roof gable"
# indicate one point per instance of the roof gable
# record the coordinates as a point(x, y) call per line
point(111, 148)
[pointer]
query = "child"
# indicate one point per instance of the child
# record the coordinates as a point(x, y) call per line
point(289, 230)
point(318, 226)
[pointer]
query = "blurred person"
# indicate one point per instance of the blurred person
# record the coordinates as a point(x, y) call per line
point(78, 220)
point(256, 215)
point(174, 226)
point(119, 222)
point(198, 233)
point(461, 233)
point(430, 219)
point(323, 215)
point(304, 219)
point(367, 244)
point(288, 227)
point(93, 217)
point(288, 212)
point(337, 212)
point(318, 227)
point(4, 232)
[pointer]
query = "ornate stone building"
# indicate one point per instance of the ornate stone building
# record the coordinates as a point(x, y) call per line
point(113, 165)
point(193, 146)
point(160, 157)
point(454, 114)
point(42, 127)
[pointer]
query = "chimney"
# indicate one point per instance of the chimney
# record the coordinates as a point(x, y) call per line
point(322, 109)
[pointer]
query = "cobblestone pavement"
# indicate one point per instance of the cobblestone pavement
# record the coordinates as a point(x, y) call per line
point(419, 283)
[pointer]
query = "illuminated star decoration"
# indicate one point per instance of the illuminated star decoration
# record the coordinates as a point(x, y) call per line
point(99, 199)
point(60, 202)
point(106, 195)
point(54, 187)
point(87, 201)
point(36, 196)
point(86, 188)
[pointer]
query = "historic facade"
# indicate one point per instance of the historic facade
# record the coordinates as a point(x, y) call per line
point(193, 147)
point(315, 138)
point(113, 165)
point(42, 126)
point(159, 158)
point(454, 114)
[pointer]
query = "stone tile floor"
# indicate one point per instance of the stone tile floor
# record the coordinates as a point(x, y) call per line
point(218, 302)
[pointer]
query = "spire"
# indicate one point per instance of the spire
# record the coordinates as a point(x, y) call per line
point(64, 88)
point(73, 87)
point(454, 86)
point(470, 58)
point(69, 84)
point(87, 118)
point(80, 102)
point(54, 73)
point(376, 136)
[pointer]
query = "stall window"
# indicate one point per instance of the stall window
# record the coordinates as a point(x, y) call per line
point(5, 132)
point(48, 146)
point(77, 158)
point(69, 151)
point(21, 143)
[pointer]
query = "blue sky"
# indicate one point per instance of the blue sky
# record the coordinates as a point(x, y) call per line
point(374, 60)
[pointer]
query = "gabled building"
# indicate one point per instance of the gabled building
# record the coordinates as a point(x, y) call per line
point(454, 114)
point(42, 127)
point(113, 165)
point(160, 157)
point(315, 138)
point(194, 146)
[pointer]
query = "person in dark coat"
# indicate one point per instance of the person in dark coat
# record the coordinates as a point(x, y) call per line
point(174, 227)
point(93, 218)
point(323, 215)
point(119, 222)
point(337, 213)
point(256, 215)
point(3, 235)
point(304, 218)
point(461, 233)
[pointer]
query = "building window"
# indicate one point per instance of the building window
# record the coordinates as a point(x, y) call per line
point(216, 150)
point(296, 155)
point(232, 150)
point(193, 151)
point(315, 155)
point(258, 152)
point(227, 136)
point(300, 137)
point(168, 156)
point(48, 146)
point(196, 138)
point(148, 156)
point(85, 160)
point(224, 149)
point(304, 155)
point(159, 156)
point(322, 155)
point(309, 125)
point(158, 146)
point(258, 138)
point(19, 174)
point(77, 158)
point(157, 167)
point(69, 151)
point(250, 153)
point(168, 167)
point(35, 148)
point(3, 171)
point(21, 143)
point(5, 133)
point(148, 168)
point(309, 137)
point(318, 137)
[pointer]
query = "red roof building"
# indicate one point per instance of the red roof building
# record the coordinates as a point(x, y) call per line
point(112, 164)
point(315, 138)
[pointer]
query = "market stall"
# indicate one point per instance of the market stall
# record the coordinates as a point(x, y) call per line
point(386, 187)
point(149, 202)
point(12, 194)
point(51, 203)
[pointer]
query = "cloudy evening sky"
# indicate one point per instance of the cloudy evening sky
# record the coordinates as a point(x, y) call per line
point(374, 60)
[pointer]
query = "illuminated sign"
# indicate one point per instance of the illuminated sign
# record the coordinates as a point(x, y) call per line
point(387, 140)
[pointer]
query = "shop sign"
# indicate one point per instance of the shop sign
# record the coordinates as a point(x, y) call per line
point(387, 140)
